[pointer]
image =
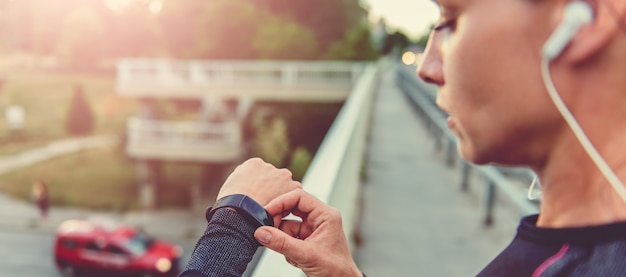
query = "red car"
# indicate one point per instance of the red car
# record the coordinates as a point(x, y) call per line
point(112, 249)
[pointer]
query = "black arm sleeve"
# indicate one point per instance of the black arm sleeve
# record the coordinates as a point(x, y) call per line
point(225, 249)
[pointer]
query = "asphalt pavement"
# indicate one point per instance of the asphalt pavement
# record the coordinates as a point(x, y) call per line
point(28, 253)
point(26, 240)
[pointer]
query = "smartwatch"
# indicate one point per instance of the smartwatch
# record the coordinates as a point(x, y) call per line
point(245, 206)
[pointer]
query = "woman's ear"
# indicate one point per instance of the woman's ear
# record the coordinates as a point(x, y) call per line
point(594, 37)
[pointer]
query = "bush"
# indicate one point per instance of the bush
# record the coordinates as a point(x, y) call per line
point(80, 118)
point(356, 46)
point(300, 161)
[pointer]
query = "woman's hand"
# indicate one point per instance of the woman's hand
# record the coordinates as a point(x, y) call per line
point(259, 180)
point(317, 245)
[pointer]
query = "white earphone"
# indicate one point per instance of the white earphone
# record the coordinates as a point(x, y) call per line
point(576, 15)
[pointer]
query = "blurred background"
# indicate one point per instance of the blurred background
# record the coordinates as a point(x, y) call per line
point(58, 79)
point(136, 110)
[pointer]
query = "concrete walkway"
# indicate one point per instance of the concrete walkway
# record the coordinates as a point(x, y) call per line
point(416, 221)
point(53, 149)
point(24, 216)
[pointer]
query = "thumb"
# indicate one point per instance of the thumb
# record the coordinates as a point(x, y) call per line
point(280, 242)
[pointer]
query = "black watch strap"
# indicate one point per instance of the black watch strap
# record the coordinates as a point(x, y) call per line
point(245, 206)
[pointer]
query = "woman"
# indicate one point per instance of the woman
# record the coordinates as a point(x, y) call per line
point(486, 58)
point(42, 197)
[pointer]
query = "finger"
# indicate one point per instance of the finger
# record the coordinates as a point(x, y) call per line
point(286, 173)
point(279, 241)
point(291, 262)
point(293, 185)
point(299, 185)
point(296, 201)
point(296, 229)
point(291, 227)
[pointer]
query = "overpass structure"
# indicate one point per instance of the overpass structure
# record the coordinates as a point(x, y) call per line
point(226, 91)
point(319, 81)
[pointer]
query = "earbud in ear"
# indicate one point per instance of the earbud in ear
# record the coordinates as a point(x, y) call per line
point(576, 15)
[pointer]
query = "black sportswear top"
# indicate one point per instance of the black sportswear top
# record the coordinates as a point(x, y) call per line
point(228, 245)
point(225, 249)
point(585, 251)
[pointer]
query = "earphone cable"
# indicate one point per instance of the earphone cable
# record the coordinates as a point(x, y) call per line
point(532, 195)
point(608, 173)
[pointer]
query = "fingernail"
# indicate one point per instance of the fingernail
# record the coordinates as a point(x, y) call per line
point(264, 236)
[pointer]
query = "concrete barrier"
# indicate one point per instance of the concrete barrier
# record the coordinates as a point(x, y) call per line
point(334, 175)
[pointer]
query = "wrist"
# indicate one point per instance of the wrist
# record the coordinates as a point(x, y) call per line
point(247, 207)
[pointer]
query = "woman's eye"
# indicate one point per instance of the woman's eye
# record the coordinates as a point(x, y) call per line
point(445, 25)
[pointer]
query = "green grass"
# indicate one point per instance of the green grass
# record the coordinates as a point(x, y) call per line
point(45, 96)
point(99, 179)
point(102, 179)
point(15, 145)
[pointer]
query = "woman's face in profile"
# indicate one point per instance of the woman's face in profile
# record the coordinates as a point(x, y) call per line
point(484, 55)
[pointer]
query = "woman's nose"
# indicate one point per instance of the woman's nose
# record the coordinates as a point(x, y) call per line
point(430, 68)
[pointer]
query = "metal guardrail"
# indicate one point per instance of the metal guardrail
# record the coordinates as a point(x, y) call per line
point(423, 98)
point(334, 175)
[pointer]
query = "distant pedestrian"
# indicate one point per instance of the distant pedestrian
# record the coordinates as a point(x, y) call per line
point(41, 195)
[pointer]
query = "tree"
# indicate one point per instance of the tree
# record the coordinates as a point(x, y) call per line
point(356, 46)
point(329, 20)
point(423, 40)
point(35, 23)
point(283, 39)
point(300, 161)
point(82, 44)
point(80, 119)
point(396, 41)
point(272, 141)
point(228, 29)
point(179, 23)
point(134, 32)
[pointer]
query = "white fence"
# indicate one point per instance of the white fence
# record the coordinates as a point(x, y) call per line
point(184, 140)
point(138, 77)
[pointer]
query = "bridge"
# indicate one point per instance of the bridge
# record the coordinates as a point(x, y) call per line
point(226, 91)
point(319, 81)
point(410, 205)
point(215, 136)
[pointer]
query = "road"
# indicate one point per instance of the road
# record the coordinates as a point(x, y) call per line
point(29, 253)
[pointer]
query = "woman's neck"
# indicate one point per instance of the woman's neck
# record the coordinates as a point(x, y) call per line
point(575, 192)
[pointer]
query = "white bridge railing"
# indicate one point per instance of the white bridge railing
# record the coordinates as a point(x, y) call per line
point(139, 77)
point(187, 140)
point(334, 175)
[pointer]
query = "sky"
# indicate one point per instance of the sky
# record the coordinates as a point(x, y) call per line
point(413, 17)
